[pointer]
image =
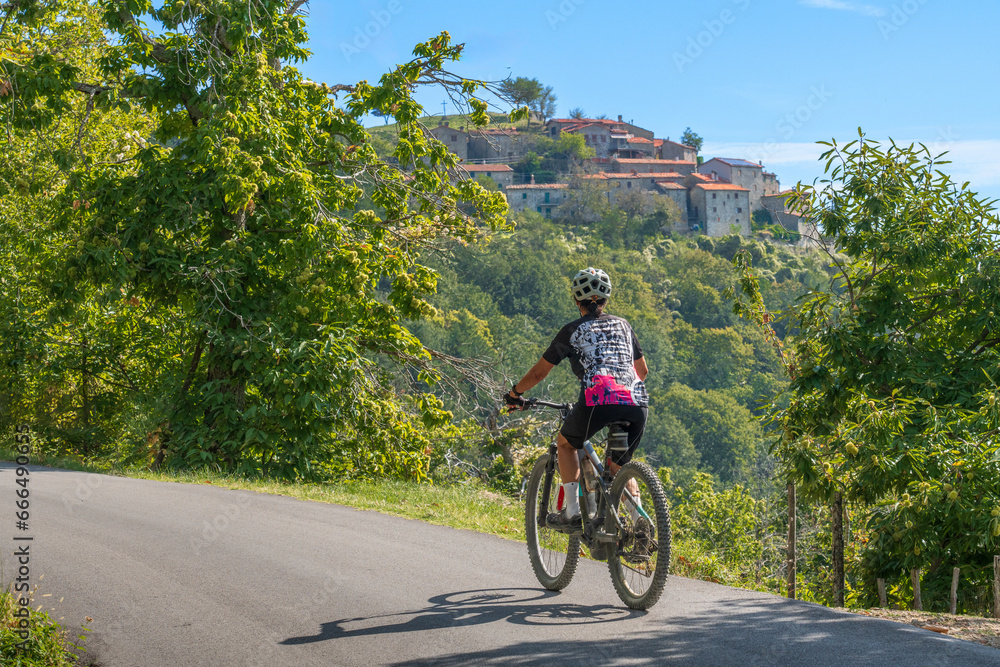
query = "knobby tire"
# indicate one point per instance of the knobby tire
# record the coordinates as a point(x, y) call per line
point(628, 570)
point(553, 554)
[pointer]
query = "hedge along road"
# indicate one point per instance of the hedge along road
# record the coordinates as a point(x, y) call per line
point(178, 574)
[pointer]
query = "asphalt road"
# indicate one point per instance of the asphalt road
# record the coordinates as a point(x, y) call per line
point(176, 574)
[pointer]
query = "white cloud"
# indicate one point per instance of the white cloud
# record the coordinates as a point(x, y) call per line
point(867, 10)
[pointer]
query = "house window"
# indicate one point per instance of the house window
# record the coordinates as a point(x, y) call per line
point(548, 213)
point(454, 137)
point(739, 210)
point(713, 195)
point(714, 209)
point(489, 175)
point(604, 139)
point(546, 197)
point(629, 184)
point(538, 208)
point(524, 195)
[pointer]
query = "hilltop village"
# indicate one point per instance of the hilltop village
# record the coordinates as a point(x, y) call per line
point(714, 196)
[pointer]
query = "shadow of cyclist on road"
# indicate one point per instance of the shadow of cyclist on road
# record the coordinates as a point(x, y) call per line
point(522, 606)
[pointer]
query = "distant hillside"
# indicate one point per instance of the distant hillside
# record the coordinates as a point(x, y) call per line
point(498, 121)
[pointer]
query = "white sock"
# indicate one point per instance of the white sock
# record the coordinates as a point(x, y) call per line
point(571, 493)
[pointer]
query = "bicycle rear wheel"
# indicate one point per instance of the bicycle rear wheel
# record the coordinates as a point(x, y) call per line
point(641, 560)
point(553, 554)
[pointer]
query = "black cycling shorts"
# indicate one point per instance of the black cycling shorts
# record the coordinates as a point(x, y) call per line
point(586, 420)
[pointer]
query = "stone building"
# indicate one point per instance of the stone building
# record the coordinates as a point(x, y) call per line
point(607, 137)
point(541, 198)
point(679, 195)
point(625, 165)
point(454, 138)
point(495, 145)
point(665, 149)
point(744, 173)
point(557, 125)
point(502, 174)
point(717, 207)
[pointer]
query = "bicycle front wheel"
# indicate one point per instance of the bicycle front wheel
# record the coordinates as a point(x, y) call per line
point(553, 554)
point(641, 560)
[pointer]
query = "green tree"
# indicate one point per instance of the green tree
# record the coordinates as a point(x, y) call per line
point(523, 92)
point(255, 227)
point(573, 146)
point(723, 432)
point(545, 103)
point(692, 139)
point(893, 394)
point(577, 113)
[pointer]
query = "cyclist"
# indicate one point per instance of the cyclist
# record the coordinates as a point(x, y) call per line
point(605, 354)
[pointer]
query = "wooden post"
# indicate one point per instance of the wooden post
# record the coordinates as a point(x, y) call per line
point(996, 587)
point(791, 540)
point(882, 602)
point(954, 590)
point(837, 528)
point(915, 580)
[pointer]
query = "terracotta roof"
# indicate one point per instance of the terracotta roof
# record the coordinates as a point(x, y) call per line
point(649, 160)
point(637, 175)
point(670, 185)
point(639, 140)
point(602, 121)
point(538, 186)
point(657, 142)
point(486, 167)
point(719, 186)
point(703, 177)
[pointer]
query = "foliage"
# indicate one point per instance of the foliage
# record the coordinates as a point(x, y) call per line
point(545, 103)
point(577, 113)
point(229, 263)
point(725, 535)
point(692, 139)
point(893, 394)
point(530, 93)
point(46, 644)
point(502, 303)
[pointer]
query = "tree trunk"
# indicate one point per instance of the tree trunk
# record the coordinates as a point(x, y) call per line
point(85, 397)
point(837, 521)
point(199, 346)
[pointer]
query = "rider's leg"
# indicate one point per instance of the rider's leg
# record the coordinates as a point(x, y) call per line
point(569, 462)
point(569, 471)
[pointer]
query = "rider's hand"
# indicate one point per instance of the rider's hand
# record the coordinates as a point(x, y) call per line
point(514, 402)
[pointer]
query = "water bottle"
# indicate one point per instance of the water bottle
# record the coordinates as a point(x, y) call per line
point(589, 486)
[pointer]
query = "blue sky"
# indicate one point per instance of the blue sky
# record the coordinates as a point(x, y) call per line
point(757, 80)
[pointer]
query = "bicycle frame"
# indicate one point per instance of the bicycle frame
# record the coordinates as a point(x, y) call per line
point(592, 527)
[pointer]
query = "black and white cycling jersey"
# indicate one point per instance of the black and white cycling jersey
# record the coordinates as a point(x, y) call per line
point(602, 350)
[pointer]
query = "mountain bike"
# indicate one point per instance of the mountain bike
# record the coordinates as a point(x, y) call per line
point(625, 520)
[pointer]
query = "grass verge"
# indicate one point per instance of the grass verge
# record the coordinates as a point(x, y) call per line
point(469, 506)
point(46, 643)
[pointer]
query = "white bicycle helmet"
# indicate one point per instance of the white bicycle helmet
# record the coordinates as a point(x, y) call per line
point(590, 283)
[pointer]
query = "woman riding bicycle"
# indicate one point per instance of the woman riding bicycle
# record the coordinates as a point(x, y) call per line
point(605, 354)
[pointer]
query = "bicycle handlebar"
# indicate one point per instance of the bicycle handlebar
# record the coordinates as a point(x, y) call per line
point(532, 402)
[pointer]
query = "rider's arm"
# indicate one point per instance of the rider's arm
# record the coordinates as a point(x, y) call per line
point(533, 376)
point(640, 368)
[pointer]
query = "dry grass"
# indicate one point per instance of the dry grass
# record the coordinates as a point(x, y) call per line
point(971, 628)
